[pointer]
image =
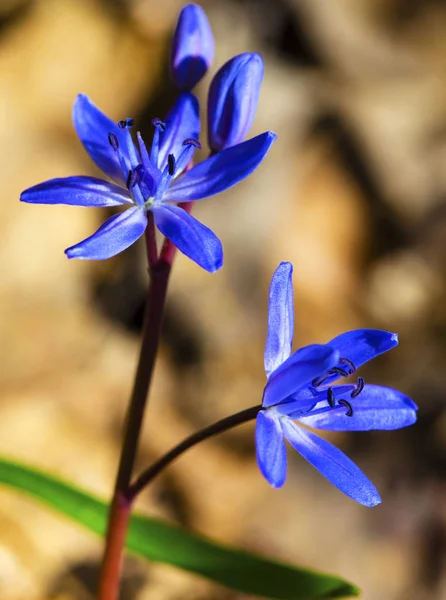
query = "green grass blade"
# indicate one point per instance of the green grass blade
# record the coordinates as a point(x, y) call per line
point(159, 541)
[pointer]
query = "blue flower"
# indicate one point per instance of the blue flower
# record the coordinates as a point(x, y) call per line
point(149, 181)
point(232, 100)
point(300, 388)
point(192, 47)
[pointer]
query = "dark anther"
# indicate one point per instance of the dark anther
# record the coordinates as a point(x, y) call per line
point(158, 123)
point(348, 406)
point(171, 164)
point(129, 123)
point(122, 124)
point(113, 141)
point(319, 380)
point(338, 371)
point(349, 363)
point(331, 398)
point(358, 389)
point(192, 142)
point(133, 179)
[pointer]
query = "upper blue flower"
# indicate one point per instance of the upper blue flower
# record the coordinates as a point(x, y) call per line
point(300, 388)
point(149, 181)
point(192, 47)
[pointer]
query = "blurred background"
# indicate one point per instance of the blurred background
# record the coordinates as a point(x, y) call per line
point(352, 193)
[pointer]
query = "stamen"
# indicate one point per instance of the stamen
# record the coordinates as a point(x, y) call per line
point(113, 141)
point(331, 398)
point(359, 387)
point(338, 371)
point(129, 178)
point(192, 142)
point(129, 123)
point(348, 406)
point(158, 123)
point(349, 363)
point(319, 380)
point(122, 124)
point(171, 164)
point(134, 178)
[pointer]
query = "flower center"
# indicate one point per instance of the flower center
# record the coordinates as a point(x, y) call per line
point(146, 180)
point(331, 397)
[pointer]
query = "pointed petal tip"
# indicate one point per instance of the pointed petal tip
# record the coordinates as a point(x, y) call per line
point(271, 135)
point(373, 501)
point(71, 253)
point(285, 265)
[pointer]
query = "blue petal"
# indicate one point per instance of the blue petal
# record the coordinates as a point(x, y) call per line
point(77, 191)
point(298, 371)
point(115, 235)
point(270, 449)
point(232, 100)
point(192, 47)
point(190, 236)
point(221, 171)
point(332, 464)
point(182, 123)
point(280, 318)
point(361, 345)
point(376, 407)
point(93, 127)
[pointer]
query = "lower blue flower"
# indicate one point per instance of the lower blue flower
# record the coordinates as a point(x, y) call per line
point(299, 391)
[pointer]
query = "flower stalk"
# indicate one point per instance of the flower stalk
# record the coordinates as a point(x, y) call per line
point(121, 506)
point(219, 427)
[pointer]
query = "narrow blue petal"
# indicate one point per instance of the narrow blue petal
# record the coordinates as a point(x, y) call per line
point(298, 371)
point(192, 47)
point(332, 464)
point(361, 345)
point(270, 448)
point(221, 171)
point(92, 127)
point(182, 123)
point(115, 235)
point(76, 191)
point(191, 237)
point(376, 407)
point(153, 171)
point(280, 318)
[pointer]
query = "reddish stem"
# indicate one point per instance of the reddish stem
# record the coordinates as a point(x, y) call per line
point(120, 509)
point(115, 541)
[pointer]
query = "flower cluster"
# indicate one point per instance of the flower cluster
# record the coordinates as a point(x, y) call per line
point(300, 388)
point(153, 183)
point(156, 180)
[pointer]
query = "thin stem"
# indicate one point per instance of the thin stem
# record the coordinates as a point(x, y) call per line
point(120, 505)
point(223, 425)
point(115, 541)
point(150, 340)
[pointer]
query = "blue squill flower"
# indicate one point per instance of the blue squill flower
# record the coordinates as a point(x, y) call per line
point(232, 100)
point(192, 47)
point(149, 181)
point(300, 391)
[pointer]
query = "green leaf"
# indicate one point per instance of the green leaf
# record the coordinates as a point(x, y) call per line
point(158, 541)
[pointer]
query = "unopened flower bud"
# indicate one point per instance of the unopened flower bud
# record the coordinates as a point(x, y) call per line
point(192, 47)
point(232, 101)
